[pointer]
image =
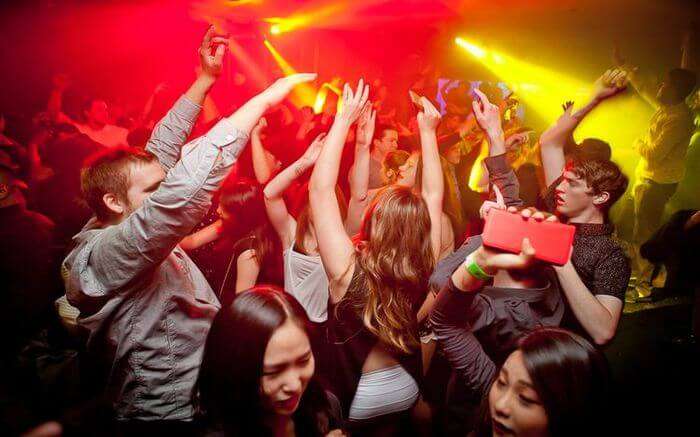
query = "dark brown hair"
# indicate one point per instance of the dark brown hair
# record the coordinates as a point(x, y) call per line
point(600, 176)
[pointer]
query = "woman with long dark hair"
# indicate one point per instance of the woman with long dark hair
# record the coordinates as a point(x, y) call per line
point(379, 280)
point(257, 373)
point(554, 384)
point(245, 249)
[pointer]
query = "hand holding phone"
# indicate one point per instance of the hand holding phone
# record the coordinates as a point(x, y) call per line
point(552, 241)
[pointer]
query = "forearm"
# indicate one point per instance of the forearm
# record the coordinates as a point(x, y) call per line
point(279, 184)
point(465, 281)
point(55, 103)
point(172, 131)
point(432, 181)
point(359, 173)
point(503, 176)
point(325, 175)
point(598, 322)
point(203, 236)
point(261, 165)
point(497, 142)
point(457, 341)
point(200, 88)
point(247, 116)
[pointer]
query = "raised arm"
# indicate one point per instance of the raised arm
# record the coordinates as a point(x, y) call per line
point(281, 220)
point(204, 236)
point(335, 246)
point(262, 167)
point(552, 141)
point(170, 134)
point(359, 173)
point(453, 319)
point(54, 105)
point(432, 183)
point(150, 233)
point(488, 117)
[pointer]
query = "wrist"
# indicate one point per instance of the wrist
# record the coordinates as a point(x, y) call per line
point(495, 134)
point(481, 259)
point(474, 270)
point(206, 80)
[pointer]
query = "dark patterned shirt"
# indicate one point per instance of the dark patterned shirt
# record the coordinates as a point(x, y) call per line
point(600, 263)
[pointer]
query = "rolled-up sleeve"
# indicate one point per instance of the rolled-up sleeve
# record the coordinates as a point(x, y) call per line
point(454, 318)
point(171, 132)
point(502, 175)
point(149, 234)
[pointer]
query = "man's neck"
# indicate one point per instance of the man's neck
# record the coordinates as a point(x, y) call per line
point(592, 216)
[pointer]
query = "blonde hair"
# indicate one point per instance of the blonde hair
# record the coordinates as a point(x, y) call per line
point(395, 257)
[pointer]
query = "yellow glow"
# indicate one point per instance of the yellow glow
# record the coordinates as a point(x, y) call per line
point(304, 20)
point(475, 50)
point(304, 94)
point(543, 90)
point(248, 65)
point(322, 96)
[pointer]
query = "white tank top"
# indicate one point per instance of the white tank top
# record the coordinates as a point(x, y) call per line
point(306, 280)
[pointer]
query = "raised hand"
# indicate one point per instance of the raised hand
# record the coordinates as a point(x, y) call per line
point(365, 125)
point(517, 140)
point(259, 127)
point(611, 83)
point(281, 88)
point(487, 115)
point(211, 53)
point(353, 103)
point(492, 260)
point(490, 204)
point(311, 155)
point(429, 118)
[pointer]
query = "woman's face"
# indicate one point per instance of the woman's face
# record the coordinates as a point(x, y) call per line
point(407, 171)
point(288, 366)
point(515, 406)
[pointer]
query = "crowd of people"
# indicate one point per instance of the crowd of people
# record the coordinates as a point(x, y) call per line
point(331, 278)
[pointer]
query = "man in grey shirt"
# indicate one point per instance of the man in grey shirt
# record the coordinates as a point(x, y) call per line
point(146, 306)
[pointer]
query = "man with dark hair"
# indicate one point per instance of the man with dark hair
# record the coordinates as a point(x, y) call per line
point(662, 151)
point(581, 193)
point(662, 158)
point(386, 139)
point(146, 306)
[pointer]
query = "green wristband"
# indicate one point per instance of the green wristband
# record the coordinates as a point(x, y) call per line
point(475, 269)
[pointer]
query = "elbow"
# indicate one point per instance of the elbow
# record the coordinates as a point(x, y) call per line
point(604, 337)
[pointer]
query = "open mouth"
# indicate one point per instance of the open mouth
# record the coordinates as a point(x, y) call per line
point(289, 404)
point(499, 428)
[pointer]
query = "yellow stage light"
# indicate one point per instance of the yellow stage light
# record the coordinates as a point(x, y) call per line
point(543, 90)
point(475, 50)
point(304, 94)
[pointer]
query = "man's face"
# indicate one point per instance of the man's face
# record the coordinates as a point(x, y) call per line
point(98, 112)
point(145, 178)
point(573, 196)
point(388, 143)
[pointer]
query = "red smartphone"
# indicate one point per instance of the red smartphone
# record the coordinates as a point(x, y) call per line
point(505, 231)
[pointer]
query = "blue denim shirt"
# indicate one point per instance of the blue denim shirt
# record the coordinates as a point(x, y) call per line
point(147, 307)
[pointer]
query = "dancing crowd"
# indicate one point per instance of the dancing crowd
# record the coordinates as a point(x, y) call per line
point(331, 277)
